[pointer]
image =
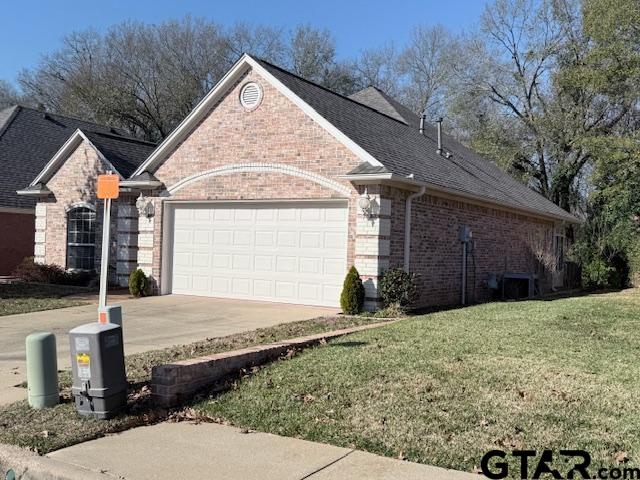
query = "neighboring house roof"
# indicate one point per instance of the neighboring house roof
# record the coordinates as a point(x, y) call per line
point(125, 154)
point(383, 103)
point(29, 138)
point(385, 136)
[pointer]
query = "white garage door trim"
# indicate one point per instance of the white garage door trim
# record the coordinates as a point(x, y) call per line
point(287, 251)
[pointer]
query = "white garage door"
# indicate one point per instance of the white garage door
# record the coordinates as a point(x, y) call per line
point(293, 253)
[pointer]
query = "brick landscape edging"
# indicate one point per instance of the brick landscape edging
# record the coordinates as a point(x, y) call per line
point(175, 382)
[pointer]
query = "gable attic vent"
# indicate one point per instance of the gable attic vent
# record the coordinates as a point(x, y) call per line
point(250, 95)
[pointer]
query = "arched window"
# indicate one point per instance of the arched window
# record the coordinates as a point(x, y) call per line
point(81, 238)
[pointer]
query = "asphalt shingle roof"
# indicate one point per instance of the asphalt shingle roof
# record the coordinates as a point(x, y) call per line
point(125, 154)
point(29, 138)
point(389, 132)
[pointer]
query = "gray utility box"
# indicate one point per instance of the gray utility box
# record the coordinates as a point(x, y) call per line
point(97, 359)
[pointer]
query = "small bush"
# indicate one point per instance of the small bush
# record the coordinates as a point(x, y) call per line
point(398, 288)
point(29, 271)
point(138, 283)
point(352, 297)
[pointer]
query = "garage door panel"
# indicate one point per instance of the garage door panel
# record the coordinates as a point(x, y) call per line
point(336, 216)
point(241, 262)
point(309, 265)
point(265, 238)
point(310, 239)
point(333, 266)
point(202, 215)
point(287, 239)
point(200, 283)
point(201, 260)
point(263, 263)
point(333, 240)
point(220, 286)
point(263, 288)
point(294, 254)
point(285, 264)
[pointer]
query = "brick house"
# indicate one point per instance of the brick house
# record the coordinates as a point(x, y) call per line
point(28, 140)
point(272, 186)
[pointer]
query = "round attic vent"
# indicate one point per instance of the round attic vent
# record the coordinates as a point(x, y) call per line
point(250, 95)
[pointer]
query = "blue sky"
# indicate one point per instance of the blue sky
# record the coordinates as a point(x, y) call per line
point(32, 28)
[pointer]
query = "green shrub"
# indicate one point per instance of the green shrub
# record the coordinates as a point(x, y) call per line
point(29, 271)
point(398, 288)
point(138, 283)
point(352, 297)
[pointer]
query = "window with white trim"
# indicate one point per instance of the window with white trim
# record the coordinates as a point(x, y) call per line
point(81, 238)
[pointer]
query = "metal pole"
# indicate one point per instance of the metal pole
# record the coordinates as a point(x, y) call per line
point(104, 259)
point(464, 273)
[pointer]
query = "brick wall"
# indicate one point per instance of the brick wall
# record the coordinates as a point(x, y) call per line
point(16, 240)
point(504, 242)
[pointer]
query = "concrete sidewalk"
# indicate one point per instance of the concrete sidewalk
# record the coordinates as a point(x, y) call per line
point(205, 451)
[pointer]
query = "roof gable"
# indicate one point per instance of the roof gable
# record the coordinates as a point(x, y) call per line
point(29, 138)
point(219, 90)
point(122, 155)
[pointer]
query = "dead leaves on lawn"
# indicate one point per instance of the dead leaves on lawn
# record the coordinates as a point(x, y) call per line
point(621, 457)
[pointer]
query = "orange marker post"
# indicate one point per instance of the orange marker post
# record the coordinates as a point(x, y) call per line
point(108, 189)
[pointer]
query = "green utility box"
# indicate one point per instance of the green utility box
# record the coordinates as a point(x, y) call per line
point(97, 361)
point(42, 370)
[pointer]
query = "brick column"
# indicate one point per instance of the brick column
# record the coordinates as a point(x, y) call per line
point(127, 250)
point(373, 248)
point(146, 226)
point(39, 247)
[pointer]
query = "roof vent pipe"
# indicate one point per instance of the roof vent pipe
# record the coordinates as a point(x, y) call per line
point(422, 119)
point(439, 122)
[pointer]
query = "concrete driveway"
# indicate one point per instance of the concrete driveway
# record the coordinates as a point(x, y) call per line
point(149, 323)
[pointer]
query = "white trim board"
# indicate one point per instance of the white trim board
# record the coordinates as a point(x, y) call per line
point(202, 109)
point(24, 211)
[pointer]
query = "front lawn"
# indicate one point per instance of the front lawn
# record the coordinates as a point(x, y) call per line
point(59, 427)
point(445, 388)
point(25, 297)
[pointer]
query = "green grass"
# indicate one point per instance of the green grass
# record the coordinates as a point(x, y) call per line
point(23, 298)
point(445, 388)
point(59, 427)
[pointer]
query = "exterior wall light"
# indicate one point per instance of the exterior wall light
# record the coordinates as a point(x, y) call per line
point(367, 205)
point(145, 206)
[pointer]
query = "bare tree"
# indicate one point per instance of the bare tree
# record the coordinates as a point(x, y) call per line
point(379, 68)
point(8, 95)
point(425, 67)
point(311, 53)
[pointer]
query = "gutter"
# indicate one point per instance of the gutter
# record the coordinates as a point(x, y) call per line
point(393, 179)
point(407, 226)
point(141, 184)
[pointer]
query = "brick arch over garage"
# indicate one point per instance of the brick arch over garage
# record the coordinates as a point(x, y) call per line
point(257, 181)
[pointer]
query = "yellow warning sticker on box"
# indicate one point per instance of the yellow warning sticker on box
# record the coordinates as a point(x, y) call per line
point(83, 362)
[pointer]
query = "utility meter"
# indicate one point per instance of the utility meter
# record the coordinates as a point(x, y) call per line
point(97, 359)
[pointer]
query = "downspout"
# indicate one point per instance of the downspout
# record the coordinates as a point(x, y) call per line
point(407, 226)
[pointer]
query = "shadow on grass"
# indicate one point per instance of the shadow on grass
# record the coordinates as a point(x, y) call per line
point(348, 344)
point(549, 297)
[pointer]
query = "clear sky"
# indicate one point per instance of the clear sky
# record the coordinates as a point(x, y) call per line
point(31, 28)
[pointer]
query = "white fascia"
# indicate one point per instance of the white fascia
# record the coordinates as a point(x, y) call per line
point(63, 153)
